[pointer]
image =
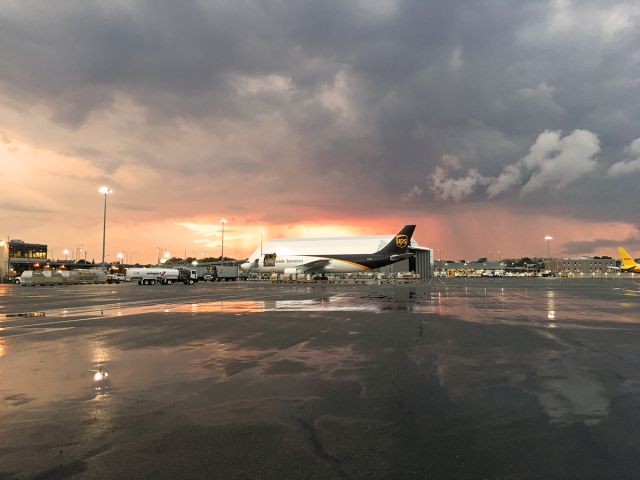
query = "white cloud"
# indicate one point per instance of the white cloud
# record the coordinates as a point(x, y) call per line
point(627, 166)
point(553, 162)
point(456, 189)
point(510, 177)
point(558, 163)
point(414, 192)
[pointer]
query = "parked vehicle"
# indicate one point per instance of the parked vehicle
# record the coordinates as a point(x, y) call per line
point(62, 277)
point(220, 273)
point(162, 276)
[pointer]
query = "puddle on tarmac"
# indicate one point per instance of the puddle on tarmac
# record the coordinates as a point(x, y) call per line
point(547, 307)
point(87, 370)
point(331, 303)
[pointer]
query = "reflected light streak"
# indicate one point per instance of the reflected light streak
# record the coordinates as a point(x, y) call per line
point(102, 387)
point(551, 306)
point(3, 350)
point(99, 353)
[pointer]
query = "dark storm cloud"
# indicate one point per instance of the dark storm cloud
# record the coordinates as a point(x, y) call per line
point(413, 80)
point(590, 246)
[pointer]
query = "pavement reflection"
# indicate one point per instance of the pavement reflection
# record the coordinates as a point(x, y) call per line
point(462, 379)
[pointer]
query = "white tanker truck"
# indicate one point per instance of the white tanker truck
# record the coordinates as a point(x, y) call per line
point(163, 276)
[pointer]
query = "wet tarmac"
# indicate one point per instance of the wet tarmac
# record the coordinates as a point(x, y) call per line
point(462, 378)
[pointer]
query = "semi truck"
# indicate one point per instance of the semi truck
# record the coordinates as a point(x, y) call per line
point(162, 276)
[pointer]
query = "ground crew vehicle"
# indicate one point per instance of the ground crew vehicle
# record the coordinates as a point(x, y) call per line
point(162, 276)
point(222, 273)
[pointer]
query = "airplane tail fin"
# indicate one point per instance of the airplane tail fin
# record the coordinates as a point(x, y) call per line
point(627, 261)
point(400, 242)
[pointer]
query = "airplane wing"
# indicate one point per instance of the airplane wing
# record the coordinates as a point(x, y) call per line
point(315, 266)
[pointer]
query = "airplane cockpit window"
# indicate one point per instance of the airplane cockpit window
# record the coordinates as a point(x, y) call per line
point(269, 260)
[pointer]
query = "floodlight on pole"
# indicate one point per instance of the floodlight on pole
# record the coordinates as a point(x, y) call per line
point(223, 221)
point(105, 191)
point(548, 238)
point(66, 254)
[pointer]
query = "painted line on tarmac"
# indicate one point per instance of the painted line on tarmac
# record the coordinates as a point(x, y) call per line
point(38, 332)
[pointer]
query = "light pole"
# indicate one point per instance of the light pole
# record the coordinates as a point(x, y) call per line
point(261, 234)
point(66, 254)
point(105, 191)
point(78, 250)
point(223, 221)
point(548, 238)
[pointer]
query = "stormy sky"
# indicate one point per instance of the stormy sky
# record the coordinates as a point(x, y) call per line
point(489, 124)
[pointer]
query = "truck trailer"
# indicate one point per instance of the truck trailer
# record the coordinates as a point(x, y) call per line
point(162, 276)
point(62, 277)
point(222, 273)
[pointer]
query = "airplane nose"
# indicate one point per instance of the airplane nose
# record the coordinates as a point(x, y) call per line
point(245, 266)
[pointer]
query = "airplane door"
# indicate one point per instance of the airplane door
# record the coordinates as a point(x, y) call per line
point(269, 260)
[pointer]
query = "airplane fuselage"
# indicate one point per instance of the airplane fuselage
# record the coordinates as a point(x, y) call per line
point(329, 255)
point(348, 263)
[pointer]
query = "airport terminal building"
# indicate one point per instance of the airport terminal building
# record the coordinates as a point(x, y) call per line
point(581, 266)
point(17, 256)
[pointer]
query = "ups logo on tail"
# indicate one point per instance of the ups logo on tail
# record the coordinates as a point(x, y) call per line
point(402, 241)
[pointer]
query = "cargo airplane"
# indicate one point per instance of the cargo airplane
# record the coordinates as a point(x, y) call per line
point(628, 264)
point(328, 255)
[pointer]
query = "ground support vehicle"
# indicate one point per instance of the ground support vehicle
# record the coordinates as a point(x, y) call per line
point(162, 276)
point(62, 277)
point(223, 273)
